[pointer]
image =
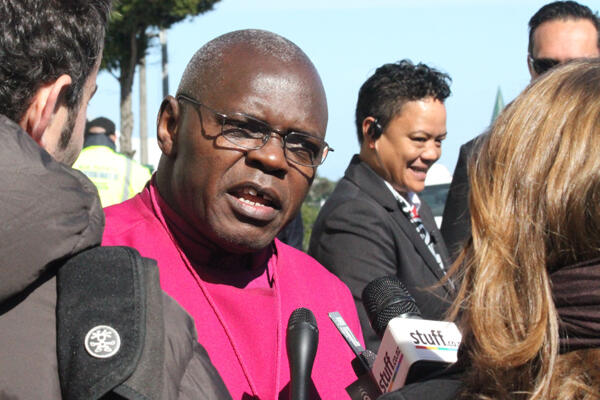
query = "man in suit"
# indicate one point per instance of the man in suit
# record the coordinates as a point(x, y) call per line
point(559, 32)
point(374, 223)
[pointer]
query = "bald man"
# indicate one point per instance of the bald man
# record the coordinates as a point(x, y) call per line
point(241, 142)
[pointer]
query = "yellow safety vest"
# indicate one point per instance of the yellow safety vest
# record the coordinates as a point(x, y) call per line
point(117, 177)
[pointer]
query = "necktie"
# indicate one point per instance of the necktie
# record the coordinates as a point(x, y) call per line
point(412, 214)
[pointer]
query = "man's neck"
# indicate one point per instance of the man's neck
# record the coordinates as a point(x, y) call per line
point(99, 140)
point(211, 261)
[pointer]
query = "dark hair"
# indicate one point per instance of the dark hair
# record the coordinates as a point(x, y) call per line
point(101, 122)
point(385, 92)
point(561, 10)
point(42, 40)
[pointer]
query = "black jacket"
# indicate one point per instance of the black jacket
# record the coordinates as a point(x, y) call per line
point(456, 220)
point(435, 389)
point(361, 234)
point(57, 285)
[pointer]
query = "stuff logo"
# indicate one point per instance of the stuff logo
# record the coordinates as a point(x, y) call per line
point(433, 341)
point(391, 365)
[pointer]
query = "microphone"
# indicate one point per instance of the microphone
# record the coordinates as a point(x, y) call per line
point(301, 341)
point(364, 388)
point(412, 348)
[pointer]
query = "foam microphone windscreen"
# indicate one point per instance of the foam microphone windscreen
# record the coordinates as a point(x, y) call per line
point(302, 315)
point(386, 298)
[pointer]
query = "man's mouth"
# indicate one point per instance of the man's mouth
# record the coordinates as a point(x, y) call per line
point(254, 203)
point(420, 171)
point(254, 197)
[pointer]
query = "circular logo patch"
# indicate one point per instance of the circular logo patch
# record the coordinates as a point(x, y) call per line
point(102, 341)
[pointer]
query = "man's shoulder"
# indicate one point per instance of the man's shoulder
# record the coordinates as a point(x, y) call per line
point(348, 202)
point(305, 267)
point(473, 145)
point(99, 149)
point(127, 217)
point(360, 186)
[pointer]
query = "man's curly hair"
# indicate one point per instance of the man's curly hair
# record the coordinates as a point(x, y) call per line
point(385, 92)
point(42, 40)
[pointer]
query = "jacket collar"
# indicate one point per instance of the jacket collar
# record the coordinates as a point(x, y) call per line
point(49, 211)
point(360, 174)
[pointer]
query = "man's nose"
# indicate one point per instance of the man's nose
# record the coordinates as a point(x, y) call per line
point(271, 156)
point(432, 152)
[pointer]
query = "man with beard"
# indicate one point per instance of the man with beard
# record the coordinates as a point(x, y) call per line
point(77, 321)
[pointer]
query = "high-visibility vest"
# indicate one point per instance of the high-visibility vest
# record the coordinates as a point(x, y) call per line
point(117, 177)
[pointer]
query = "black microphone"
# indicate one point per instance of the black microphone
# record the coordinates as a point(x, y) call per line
point(386, 298)
point(411, 348)
point(301, 342)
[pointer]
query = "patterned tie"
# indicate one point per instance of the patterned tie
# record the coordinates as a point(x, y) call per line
point(412, 214)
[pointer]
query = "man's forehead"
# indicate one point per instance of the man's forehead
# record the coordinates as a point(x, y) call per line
point(234, 49)
point(565, 39)
point(254, 85)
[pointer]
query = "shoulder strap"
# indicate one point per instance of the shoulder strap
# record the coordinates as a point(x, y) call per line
point(101, 323)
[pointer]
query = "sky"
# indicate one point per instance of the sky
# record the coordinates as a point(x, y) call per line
point(481, 44)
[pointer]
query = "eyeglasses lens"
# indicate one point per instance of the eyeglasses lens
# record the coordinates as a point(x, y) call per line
point(299, 148)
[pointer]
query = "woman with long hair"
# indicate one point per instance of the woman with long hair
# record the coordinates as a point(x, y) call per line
point(529, 302)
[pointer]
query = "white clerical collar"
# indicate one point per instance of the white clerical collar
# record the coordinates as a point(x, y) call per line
point(411, 197)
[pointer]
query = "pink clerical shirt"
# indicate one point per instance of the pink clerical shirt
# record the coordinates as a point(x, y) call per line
point(242, 320)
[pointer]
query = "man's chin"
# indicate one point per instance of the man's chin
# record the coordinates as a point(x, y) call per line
point(416, 188)
point(250, 243)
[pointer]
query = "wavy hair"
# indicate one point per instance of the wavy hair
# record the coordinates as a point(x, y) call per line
point(535, 207)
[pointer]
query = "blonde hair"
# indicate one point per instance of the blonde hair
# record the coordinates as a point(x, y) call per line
point(535, 207)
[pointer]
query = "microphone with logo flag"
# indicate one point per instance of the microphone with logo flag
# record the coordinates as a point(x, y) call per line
point(364, 388)
point(411, 348)
point(302, 340)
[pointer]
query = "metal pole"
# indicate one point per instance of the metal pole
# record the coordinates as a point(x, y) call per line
point(165, 61)
point(143, 114)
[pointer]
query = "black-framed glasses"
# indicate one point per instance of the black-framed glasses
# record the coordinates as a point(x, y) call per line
point(250, 133)
point(542, 65)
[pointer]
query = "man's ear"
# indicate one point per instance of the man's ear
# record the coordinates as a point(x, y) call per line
point(167, 126)
point(44, 105)
point(366, 132)
point(532, 72)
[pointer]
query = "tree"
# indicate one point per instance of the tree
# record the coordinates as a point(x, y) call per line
point(129, 35)
point(317, 195)
point(319, 191)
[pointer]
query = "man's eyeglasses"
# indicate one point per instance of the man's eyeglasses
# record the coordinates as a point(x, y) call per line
point(250, 133)
point(542, 65)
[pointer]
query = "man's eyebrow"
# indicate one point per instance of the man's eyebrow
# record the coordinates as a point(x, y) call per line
point(254, 119)
point(431, 134)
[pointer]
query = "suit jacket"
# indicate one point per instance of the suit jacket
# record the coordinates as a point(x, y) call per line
point(361, 234)
point(456, 220)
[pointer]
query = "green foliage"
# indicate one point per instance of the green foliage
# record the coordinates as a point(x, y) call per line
point(317, 195)
point(319, 191)
point(130, 22)
point(309, 215)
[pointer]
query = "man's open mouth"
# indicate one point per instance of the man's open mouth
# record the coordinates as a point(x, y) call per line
point(255, 197)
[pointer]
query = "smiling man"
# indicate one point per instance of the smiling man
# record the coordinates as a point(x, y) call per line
point(241, 142)
point(374, 223)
